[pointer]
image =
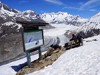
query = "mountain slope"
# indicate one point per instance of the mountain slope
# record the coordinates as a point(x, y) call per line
point(6, 17)
point(10, 16)
point(92, 23)
point(91, 27)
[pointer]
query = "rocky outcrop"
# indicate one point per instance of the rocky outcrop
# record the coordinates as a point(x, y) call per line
point(11, 46)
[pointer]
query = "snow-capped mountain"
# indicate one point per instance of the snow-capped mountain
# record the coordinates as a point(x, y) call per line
point(7, 22)
point(9, 14)
point(8, 17)
point(62, 17)
point(4, 9)
point(27, 15)
point(91, 27)
point(30, 14)
point(92, 23)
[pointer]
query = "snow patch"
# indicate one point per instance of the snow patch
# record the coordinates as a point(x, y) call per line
point(12, 24)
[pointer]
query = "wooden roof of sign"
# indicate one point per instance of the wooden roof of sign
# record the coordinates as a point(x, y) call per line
point(33, 23)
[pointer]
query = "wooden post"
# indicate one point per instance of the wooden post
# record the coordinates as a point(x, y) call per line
point(40, 55)
point(28, 58)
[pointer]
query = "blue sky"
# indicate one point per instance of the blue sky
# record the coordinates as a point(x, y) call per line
point(84, 8)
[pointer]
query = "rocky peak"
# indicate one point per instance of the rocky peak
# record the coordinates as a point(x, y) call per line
point(4, 9)
point(30, 14)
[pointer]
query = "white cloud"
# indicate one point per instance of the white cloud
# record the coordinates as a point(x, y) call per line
point(75, 8)
point(55, 2)
point(71, 8)
point(90, 4)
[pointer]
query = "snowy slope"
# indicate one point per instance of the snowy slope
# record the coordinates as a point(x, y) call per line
point(12, 24)
point(64, 26)
point(62, 17)
point(84, 60)
point(7, 70)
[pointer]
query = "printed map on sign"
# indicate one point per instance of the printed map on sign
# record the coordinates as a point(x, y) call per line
point(33, 39)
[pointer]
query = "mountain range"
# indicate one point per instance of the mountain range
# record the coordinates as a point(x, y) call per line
point(62, 17)
point(8, 17)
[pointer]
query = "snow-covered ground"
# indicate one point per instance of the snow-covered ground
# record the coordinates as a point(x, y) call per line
point(84, 60)
point(59, 31)
point(8, 70)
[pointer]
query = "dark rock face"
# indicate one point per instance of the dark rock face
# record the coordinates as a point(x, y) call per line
point(89, 33)
point(10, 46)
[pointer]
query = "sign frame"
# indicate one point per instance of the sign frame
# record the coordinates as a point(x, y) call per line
point(33, 29)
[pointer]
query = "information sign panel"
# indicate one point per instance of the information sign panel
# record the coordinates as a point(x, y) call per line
point(33, 39)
